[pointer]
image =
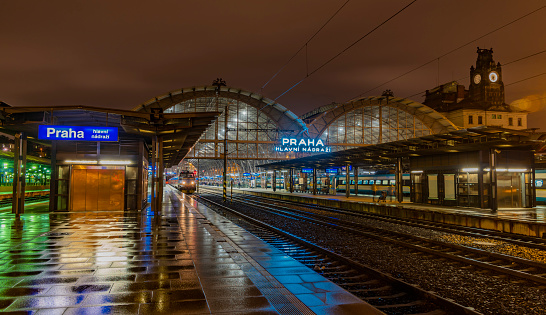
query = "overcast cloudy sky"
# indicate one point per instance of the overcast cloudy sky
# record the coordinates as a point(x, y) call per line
point(119, 54)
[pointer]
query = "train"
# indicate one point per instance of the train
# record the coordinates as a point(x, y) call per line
point(373, 184)
point(186, 181)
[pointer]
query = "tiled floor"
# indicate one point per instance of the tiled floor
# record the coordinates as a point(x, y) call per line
point(188, 260)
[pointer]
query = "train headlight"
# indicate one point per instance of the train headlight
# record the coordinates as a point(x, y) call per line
point(183, 183)
point(192, 183)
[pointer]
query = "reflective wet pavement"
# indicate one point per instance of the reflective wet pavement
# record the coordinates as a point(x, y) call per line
point(188, 260)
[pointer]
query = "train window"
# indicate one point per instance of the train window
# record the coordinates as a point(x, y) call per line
point(385, 182)
point(365, 182)
point(371, 181)
point(360, 182)
point(393, 182)
point(352, 182)
point(538, 182)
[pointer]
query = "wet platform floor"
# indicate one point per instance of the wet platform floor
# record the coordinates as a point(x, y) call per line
point(188, 260)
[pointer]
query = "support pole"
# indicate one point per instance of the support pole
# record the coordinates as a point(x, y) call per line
point(160, 170)
point(399, 181)
point(533, 193)
point(154, 154)
point(314, 180)
point(198, 178)
point(274, 180)
point(355, 170)
point(19, 174)
point(493, 179)
point(291, 180)
point(224, 194)
point(347, 181)
point(53, 177)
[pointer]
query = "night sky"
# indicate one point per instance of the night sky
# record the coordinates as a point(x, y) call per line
point(119, 54)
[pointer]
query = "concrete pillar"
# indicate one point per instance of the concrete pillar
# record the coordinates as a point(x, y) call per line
point(19, 174)
point(154, 170)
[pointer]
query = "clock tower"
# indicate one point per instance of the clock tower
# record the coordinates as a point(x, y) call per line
point(486, 89)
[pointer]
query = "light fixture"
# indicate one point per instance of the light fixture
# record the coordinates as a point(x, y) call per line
point(470, 169)
point(114, 162)
point(416, 172)
point(81, 161)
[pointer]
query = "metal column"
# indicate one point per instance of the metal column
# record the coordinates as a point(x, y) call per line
point(53, 177)
point(533, 194)
point(19, 172)
point(347, 181)
point(274, 184)
point(355, 170)
point(154, 166)
point(160, 170)
point(198, 178)
point(399, 181)
point(224, 191)
point(493, 179)
point(314, 180)
point(291, 180)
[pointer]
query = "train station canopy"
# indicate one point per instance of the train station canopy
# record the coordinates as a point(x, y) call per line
point(384, 155)
point(178, 131)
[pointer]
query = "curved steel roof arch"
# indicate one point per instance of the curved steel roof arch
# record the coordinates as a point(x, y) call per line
point(276, 112)
point(432, 119)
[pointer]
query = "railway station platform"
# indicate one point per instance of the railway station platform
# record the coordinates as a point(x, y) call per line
point(186, 260)
point(525, 221)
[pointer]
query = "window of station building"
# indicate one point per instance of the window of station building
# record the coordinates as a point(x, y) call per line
point(470, 120)
point(510, 121)
point(494, 116)
point(519, 122)
point(480, 120)
point(499, 116)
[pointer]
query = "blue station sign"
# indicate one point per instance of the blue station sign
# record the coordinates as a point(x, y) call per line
point(77, 133)
point(307, 170)
point(302, 145)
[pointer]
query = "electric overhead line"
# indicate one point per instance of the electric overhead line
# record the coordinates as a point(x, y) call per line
point(453, 50)
point(305, 45)
point(347, 48)
point(508, 63)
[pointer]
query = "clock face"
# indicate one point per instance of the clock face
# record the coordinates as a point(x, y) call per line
point(493, 76)
point(477, 79)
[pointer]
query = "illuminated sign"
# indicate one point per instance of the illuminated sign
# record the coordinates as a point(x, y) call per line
point(246, 174)
point(331, 170)
point(307, 170)
point(302, 145)
point(538, 182)
point(78, 133)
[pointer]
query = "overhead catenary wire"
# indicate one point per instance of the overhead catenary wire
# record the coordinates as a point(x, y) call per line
point(508, 63)
point(305, 46)
point(347, 48)
point(452, 51)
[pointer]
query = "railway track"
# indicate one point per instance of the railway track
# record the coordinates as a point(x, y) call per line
point(520, 240)
point(499, 263)
point(381, 290)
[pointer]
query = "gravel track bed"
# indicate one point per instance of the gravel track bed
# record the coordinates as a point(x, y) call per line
point(486, 293)
point(483, 243)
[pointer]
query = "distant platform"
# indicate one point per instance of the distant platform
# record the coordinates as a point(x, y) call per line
point(525, 221)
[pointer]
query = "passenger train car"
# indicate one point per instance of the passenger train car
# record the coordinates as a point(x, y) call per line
point(185, 182)
point(368, 182)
